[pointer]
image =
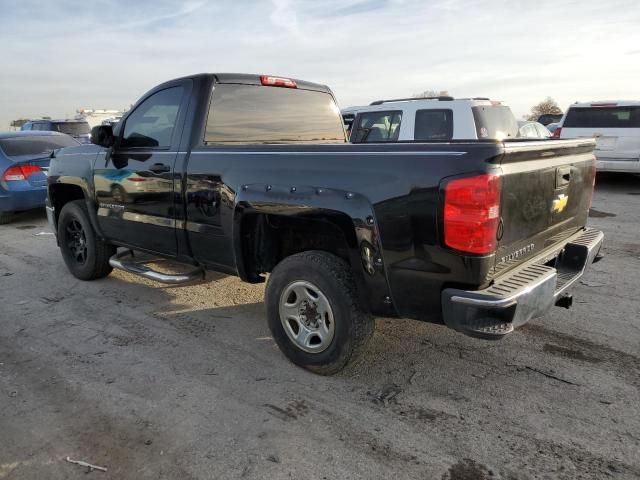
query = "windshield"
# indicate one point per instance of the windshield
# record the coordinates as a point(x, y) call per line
point(74, 129)
point(495, 122)
point(34, 145)
point(257, 114)
point(603, 117)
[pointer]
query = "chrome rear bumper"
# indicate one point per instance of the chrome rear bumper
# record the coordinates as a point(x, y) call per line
point(522, 294)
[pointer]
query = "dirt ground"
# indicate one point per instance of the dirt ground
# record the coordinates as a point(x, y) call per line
point(153, 382)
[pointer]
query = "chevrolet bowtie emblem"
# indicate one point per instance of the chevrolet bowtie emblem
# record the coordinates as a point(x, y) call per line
point(560, 203)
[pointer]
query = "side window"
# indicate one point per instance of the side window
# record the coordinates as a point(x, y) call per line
point(434, 125)
point(377, 127)
point(152, 123)
point(26, 126)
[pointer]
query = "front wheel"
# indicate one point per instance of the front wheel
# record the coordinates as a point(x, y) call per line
point(314, 314)
point(86, 255)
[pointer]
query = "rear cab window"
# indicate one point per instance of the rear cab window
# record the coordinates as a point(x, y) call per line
point(495, 122)
point(603, 117)
point(433, 125)
point(256, 114)
point(381, 126)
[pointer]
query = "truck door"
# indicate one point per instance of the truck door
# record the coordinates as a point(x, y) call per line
point(134, 180)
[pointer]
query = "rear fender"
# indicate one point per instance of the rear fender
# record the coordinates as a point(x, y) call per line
point(366, 256)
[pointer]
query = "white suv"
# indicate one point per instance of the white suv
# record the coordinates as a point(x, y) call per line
point(436, 119)
point(616, 128)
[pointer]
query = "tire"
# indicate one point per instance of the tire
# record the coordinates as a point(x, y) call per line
point(335, 336)
point(6, 217)
point(76, 235)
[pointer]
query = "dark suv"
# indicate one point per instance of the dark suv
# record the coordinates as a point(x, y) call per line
point(78, 129)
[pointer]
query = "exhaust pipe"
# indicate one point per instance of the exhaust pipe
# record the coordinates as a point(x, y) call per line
point(565, 301)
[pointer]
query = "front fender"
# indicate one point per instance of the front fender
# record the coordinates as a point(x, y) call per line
point(74, 166)
point(366, 256)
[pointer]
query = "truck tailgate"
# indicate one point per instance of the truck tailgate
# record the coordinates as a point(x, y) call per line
point(546, 194)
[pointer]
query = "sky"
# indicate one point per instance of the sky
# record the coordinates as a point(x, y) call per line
point(63, 55)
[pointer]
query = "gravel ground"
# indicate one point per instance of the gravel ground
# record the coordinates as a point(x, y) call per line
point(156, 382)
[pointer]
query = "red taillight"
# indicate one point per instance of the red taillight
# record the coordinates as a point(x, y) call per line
point(269, 81)
point(19, 172)
point(556, 133)
point(472, 213)
point(604, 105)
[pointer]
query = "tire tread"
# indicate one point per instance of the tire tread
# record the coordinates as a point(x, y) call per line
point(103, 250)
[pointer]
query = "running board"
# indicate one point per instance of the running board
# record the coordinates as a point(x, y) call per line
point(126, 261)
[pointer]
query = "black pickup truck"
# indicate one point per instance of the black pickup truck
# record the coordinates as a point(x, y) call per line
point(251, 175)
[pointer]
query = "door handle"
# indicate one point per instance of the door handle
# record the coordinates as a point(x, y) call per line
point(159, 168)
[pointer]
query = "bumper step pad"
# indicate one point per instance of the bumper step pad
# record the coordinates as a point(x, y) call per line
point(488, 328)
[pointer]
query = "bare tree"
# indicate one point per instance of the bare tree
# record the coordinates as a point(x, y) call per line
point(431, 93)
point(548, 105)
point(18, 123)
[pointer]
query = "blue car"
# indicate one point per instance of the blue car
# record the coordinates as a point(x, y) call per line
point(78, 129)
point(24, 161)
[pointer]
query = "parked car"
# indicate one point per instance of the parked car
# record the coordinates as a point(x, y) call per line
point(78, 129)
point(437, 119)
point(348, 116)
point(532, 130)
point(547, 118)
point(481, 235)
point(552, 127)
point(24, 161)
point(616, 127)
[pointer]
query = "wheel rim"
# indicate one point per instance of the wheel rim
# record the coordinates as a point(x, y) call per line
point(306, 316)
point(76, 241)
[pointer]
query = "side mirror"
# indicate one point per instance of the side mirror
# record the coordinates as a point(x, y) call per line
point(102, 135)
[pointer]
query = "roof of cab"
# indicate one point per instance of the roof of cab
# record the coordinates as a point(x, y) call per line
point(254, 79)
point(249, 79)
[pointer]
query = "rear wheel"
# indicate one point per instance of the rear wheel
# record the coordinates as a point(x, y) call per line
point(313, 312)
point(86, 256)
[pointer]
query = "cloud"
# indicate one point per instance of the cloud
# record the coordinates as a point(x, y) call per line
point(284, 16)
point(63, 55)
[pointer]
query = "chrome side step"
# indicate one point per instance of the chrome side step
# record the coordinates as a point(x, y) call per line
point(126, 261)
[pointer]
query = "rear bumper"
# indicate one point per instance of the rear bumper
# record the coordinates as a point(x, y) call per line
point(522, 294)
point(16, 201)
point(626, 165)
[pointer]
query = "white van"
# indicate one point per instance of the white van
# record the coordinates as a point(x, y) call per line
point(616, 128)
point(430, 119)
